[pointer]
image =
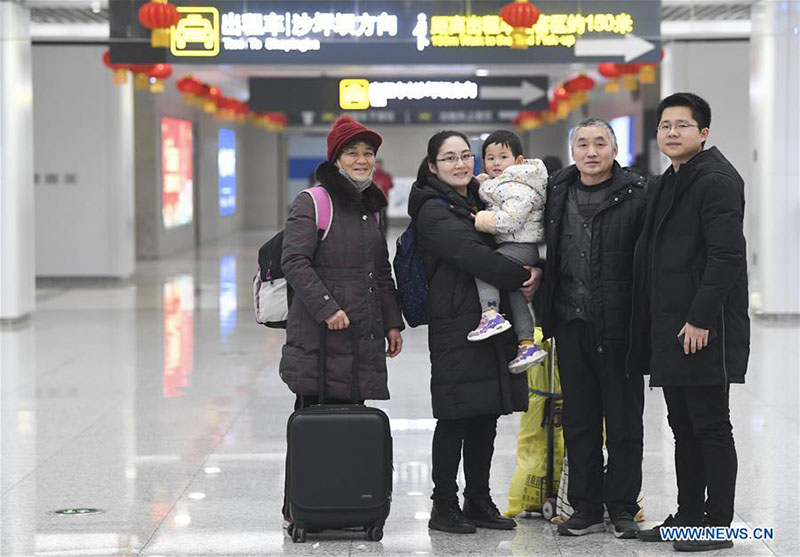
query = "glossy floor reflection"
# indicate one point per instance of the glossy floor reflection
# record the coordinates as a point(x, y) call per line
point(158, 401)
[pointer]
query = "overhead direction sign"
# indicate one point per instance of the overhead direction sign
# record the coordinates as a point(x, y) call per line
point(526, 92)
point(388, 32)
point(630, 47)
point(416, 94)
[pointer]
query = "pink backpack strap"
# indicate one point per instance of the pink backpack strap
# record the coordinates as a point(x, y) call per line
point(323, 208)
point(377, 216)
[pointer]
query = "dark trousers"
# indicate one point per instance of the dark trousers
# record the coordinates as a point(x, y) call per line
point(475, 436)
point(595, 388)
point(705, 455)
point(302, 401)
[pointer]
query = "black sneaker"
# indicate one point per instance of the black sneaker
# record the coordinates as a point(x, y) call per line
point(484, 514)
point(446, 516)
point(701, 545)
point(625, 526)
point(580, 524)
point(654, 534)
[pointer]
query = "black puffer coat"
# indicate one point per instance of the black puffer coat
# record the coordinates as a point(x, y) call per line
point(349, 270)
point(467, 378)
point(699, 276)
point(615, 228)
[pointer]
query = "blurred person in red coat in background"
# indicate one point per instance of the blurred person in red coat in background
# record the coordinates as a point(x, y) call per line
point(383, 180)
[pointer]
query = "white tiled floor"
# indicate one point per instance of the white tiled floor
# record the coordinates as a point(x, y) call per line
point(158, 401)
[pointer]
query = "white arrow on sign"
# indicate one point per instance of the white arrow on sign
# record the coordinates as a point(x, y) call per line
point(526, 93)
point(630, 47)
point(507, 114)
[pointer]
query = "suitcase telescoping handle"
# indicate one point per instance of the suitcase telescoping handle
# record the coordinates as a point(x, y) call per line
point(355, 391)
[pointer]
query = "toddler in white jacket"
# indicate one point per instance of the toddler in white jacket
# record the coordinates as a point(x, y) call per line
point(514, 190)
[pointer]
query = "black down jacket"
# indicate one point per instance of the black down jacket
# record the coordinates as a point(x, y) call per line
point(615, 228)
point(349, 270)
point(467, 378)
point(698, 275)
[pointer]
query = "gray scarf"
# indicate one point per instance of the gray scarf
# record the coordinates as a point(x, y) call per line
point(360, 185)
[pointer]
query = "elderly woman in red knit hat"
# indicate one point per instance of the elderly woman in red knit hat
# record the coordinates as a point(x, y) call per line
point(341, 280)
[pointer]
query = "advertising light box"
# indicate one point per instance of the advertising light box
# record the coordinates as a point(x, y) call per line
point(176, 172)
point(226, 166)
point(391, 32)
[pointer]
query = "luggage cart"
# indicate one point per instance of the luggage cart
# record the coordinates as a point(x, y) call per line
point(549, 505)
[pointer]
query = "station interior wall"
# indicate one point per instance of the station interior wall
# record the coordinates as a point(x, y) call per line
point(83, 165)
point(719, 71)
point(97, 170)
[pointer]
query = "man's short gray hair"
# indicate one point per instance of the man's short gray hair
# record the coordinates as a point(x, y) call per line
point(591, 123)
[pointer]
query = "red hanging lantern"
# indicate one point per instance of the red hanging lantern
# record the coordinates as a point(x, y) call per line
point(629, 76)
point(191, 89)
point(628, 69)
point(560, 93)
point(528, 120)
point(550, 117)
point(585, 83)
point(522, 117)
point(611, 71)
point(211, 97)
point(647, 73)
point(521, 15)
point(273, 121)
point(578, 88)
point(608, 69)
point(159, 16)
point(573, 85)
point(157, 75)
point(120, 70)
point(141, 75)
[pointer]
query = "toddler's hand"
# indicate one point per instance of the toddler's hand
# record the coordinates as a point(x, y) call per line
point(481, 178)
point(484, 222)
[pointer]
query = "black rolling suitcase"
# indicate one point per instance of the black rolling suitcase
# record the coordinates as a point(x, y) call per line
point(339, 463)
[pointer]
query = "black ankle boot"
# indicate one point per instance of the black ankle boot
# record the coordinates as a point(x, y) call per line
point(484, 514)
point(446, 516)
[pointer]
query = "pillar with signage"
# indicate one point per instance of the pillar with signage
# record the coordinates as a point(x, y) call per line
point(17, 246)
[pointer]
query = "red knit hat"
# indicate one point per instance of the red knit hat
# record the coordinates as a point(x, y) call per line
point(344, 130)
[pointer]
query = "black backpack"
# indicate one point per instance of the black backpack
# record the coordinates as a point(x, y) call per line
point(272, 295)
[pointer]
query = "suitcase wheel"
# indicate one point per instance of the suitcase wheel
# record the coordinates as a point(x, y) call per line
point(298, 535)
point(375, 533)
point(549, 508)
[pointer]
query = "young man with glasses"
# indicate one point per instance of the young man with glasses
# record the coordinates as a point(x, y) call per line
point(690, 325)
point(594, 214)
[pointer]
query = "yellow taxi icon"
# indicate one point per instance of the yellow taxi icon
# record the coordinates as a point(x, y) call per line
point(194, 28)
point(199, 27)
point(354, 94)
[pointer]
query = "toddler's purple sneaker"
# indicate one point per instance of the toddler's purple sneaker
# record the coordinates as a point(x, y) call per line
point(527, 356)
point(491, 324)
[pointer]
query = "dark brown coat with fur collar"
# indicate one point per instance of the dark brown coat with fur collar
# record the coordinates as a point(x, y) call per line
point(349, 270)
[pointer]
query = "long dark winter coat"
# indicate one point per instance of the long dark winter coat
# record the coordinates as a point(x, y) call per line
point(699, 276)
point(467, 378)
point(349, 270)
point(615, 228)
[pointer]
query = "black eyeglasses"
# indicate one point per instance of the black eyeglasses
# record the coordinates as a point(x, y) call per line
point(466, 158)
point(680, 127)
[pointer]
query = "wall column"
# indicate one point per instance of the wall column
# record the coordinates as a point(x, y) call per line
point(17, 247)
point(775, 118)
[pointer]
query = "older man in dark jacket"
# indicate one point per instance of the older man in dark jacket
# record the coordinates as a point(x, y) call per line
point(691, 328)
point(595, 210)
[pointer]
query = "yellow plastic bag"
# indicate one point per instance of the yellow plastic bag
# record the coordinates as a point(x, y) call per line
point(528, 489)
